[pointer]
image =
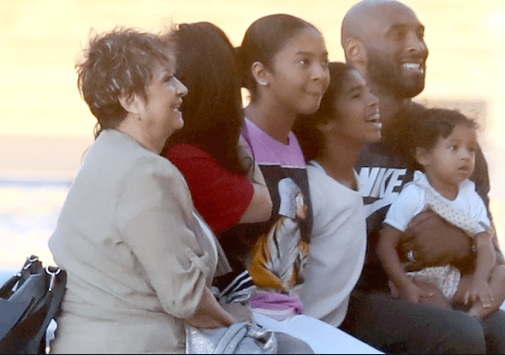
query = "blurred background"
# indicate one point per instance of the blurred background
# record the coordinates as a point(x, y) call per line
point(45, 126)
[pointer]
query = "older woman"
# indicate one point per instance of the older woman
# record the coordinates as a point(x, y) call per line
point(139, 260)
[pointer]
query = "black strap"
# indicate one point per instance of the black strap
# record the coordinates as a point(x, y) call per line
point(32, 298)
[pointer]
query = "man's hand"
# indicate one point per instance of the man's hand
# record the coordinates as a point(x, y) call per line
point(431, 241)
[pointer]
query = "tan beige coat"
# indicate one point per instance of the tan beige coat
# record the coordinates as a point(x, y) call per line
point(136, 257)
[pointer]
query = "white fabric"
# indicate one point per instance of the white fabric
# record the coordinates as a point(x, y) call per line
point(322, 337)
point(446, 278)
point(338, 247)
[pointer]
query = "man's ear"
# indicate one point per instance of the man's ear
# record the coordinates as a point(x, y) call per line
point(260, 74)
point(422, 156)
point(355, 52)
point(130, 103)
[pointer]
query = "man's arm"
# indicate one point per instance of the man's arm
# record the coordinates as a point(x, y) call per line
point(482, 182)
point(433, 241)
point(499, 255)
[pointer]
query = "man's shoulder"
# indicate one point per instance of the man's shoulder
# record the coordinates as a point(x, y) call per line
point(416, 105)
point(411, 108)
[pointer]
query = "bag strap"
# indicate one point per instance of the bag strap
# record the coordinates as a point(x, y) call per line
point(56, 288)
point(44, 307)
point(231, 339)
point(7, 288)
point(28, 268)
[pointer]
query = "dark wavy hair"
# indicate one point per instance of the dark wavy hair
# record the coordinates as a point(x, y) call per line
point(427, 125)
point(264, 38)
point(119, 62)
point(212, 109)
point(305, 127)
point(430, 124)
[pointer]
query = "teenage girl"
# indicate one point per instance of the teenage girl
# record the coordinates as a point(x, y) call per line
point(331, 139)
point(284, 63)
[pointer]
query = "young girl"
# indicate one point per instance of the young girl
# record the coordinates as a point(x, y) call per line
point(331, 139)
point(285, 69)
point(445, 142)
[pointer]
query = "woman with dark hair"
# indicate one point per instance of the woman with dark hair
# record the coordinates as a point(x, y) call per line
point(226, 185)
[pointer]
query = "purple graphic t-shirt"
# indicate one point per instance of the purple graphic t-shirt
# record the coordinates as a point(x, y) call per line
point(275, 252)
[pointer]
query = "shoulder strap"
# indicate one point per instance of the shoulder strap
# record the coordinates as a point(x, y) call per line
point(229, 342)
point(43, 289)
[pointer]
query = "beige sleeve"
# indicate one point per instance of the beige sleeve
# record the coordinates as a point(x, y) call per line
point(155, 212)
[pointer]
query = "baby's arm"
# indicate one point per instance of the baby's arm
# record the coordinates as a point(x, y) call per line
point(386, 251)
point(479, 289)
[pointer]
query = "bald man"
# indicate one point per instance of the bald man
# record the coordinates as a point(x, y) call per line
point(384, 40)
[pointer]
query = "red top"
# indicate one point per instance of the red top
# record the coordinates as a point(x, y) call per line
point(221, 197)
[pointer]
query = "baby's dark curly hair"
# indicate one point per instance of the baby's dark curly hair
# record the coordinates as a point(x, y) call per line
point(427, 125)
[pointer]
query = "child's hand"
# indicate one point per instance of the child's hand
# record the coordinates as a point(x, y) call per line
point(411, 292)
point(479, 290)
